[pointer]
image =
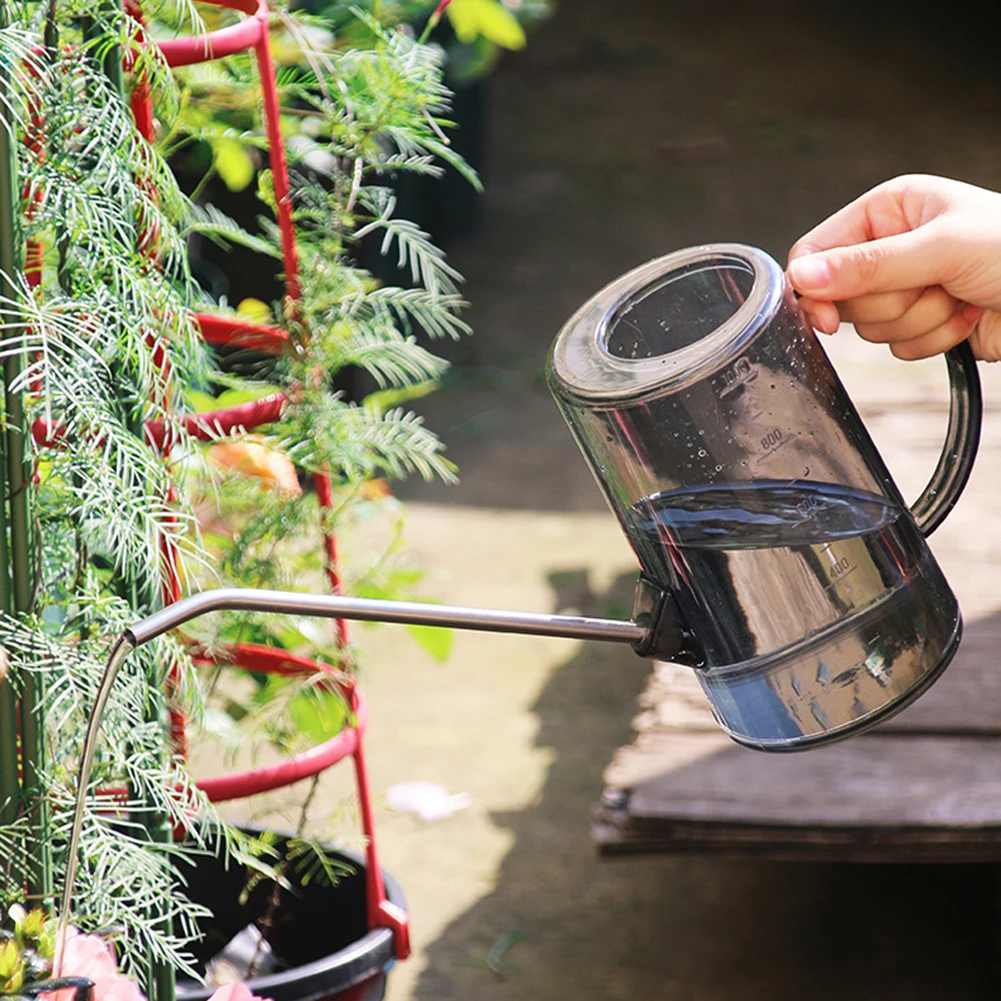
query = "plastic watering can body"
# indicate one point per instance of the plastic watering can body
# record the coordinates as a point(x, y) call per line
point(751, 492)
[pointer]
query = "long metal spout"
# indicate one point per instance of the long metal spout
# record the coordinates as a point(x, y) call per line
point(332, 606)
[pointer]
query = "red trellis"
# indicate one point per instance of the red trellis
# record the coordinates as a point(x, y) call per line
point(253, 33)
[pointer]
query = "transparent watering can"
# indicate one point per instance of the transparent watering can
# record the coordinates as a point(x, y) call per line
point(753, 496)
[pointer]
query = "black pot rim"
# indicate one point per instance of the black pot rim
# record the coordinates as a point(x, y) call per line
point(373, 953)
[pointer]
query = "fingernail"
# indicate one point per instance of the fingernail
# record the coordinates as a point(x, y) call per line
point(973, 313)
point(809, 274)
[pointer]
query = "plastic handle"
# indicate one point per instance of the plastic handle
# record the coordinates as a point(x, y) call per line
point(966, 412)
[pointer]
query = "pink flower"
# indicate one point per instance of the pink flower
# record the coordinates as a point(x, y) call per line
point(233, 992)
point(91, 957)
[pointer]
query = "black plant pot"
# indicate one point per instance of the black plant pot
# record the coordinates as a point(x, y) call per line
point(321, 933)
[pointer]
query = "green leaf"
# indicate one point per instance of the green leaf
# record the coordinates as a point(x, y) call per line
point(317, 714)
point(433, 640)
point(487, 18)
point(204, 402)
point(233, 163)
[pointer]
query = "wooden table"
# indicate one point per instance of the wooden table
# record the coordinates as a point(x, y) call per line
point(924, 786)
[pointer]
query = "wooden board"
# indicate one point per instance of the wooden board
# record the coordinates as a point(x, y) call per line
point(881, 796)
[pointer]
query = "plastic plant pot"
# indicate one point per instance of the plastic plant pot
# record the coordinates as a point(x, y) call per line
point(321, 933)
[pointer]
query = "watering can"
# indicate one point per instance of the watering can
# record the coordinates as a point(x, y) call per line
point(754, 498)
point(777, 556)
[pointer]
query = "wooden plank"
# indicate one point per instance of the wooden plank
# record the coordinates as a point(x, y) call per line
point(874, 798)
point(616, 833)
point(865, 782)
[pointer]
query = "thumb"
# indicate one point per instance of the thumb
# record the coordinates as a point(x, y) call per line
point(892, 264)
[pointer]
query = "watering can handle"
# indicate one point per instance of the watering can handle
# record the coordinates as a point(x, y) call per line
point(966, 411)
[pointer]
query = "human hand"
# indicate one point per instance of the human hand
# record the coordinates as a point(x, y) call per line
point(914, 263)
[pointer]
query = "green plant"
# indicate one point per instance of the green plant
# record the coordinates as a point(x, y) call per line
point(474, 34)
point(100, 349)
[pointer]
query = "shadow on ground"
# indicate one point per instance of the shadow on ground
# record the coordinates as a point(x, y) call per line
point(627, 130)
point(562, 924)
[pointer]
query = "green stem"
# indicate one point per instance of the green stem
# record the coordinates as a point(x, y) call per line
point(10, 782)
point(22, 566)
point(39, 874)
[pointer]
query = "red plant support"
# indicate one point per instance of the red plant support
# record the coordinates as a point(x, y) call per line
point(233, 332)
point(269, 660)
point(253, 33)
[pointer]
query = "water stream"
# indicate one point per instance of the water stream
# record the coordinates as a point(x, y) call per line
point(119, 652)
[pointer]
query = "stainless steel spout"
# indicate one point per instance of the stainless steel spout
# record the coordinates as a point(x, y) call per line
point(375, 610)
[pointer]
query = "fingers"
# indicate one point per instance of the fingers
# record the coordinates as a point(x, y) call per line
point(823, 316)
point(892, 264)
point(900, 316)
point(986, 339)
point(879, 308)
point(957, 328)
point(916, 323)
point(904, 262)
point(887, 307)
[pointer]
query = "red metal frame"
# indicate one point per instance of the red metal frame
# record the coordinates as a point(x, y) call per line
point(254, 34)
point(236, 785)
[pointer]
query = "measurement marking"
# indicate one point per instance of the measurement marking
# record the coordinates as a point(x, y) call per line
point(765, 455)
point(843, 576)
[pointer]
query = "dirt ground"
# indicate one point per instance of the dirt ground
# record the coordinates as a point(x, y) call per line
point(628, 129)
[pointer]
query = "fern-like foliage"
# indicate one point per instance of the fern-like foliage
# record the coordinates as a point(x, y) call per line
point(99, 322)
point(370, 108)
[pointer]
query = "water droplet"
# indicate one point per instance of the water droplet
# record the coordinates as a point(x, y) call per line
point(701, 431)
point(719, 469)
point(702, 453)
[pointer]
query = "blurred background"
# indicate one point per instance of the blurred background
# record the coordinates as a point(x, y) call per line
point(626, 130)
point(623, 131)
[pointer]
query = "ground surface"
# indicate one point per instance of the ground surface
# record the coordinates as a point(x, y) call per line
point(626, 130)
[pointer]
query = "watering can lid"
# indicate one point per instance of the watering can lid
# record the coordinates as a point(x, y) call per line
point(581, 365)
